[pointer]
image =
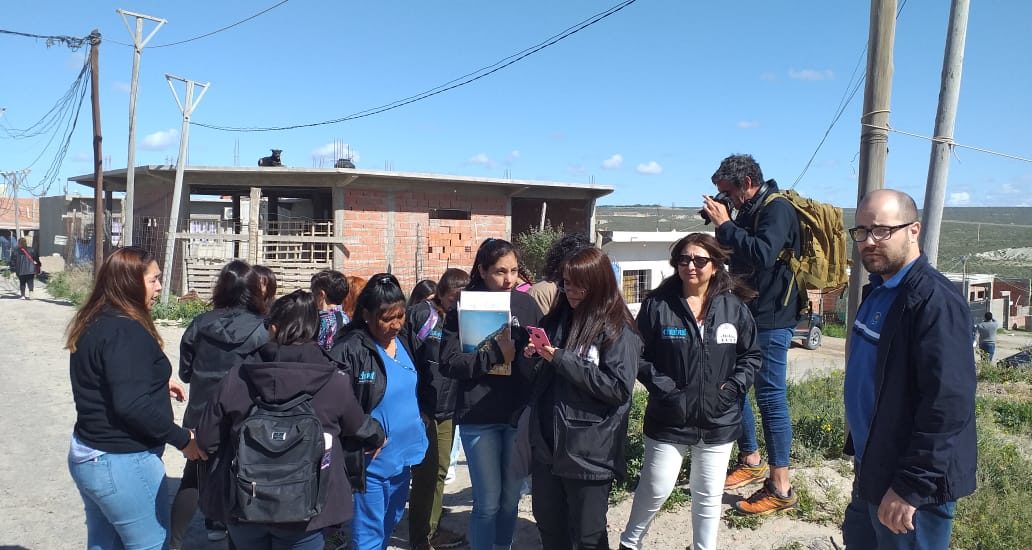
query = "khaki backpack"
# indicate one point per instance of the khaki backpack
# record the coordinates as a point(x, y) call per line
point(824, 260)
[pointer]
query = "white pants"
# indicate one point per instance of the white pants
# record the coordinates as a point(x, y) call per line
point(658, 476)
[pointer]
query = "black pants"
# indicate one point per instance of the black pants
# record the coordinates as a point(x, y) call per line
point(26, 280)
point(570, 513)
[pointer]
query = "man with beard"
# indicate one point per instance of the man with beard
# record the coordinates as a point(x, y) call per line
point(909, 390)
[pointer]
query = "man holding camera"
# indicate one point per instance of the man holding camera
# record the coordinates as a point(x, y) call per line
point(760, 231)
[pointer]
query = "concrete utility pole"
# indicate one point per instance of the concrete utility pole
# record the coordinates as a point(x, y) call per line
point(98, 155)
point(187, 107)
point(949, 96)
point(130, 177)
point(874, 136)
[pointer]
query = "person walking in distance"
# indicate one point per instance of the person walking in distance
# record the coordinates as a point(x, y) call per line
point(25, 265)
point(909, 389)
point(759, 232)
point(987, 335)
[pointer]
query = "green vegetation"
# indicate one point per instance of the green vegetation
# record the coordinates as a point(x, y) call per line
point(997, 374)
point(534, 245)
point(1012, 416)
point(835, 330)
point(184, 311)
point(74, 284)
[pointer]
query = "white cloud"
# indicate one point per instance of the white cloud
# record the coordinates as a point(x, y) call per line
point(329, 151)
point(650, 168)
point(120, 86)
point(960, 199)
point(613, 162)
point(481, 159)
point(515, 154)
point(748, 124)
point(811, 74)
point(159, 141)
point(1009, 189)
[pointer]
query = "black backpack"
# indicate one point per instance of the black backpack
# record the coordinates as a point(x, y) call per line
point(277, 472)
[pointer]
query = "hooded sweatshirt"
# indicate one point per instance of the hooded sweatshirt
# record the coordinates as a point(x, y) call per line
point(284, 372)
point(216, 341)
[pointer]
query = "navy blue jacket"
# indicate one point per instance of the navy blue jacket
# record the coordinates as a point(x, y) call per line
point(757, 235)
point(922, 442)
point(437, 393)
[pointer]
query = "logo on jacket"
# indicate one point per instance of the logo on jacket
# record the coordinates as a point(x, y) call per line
point(366, 376)
point(727, 334)
point(674, 333)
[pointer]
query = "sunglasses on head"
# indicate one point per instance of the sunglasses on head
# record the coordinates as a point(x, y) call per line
point(698, 261)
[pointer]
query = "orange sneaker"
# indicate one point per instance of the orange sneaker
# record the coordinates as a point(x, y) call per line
point(766, 501)
point(743, 474)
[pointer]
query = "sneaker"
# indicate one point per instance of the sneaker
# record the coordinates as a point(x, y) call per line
point(337, 541)
point(743, 474)
point(215, 535)
point(766, 501)
point(446, 538)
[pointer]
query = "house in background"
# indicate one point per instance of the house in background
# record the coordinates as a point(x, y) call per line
point(641, 260)
point(24, 224)
point(300, 220)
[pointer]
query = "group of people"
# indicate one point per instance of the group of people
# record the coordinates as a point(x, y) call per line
point(548, 396)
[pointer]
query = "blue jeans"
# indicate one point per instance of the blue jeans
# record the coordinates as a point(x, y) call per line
point(771, 398)
point(271, 537)
point(496, 489)
point(989, 348)
point(379, 509)
point(861, 529)
point(126, 500)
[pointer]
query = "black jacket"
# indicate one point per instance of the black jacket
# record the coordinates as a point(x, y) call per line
point(215, 342)
point(696, 381)
point(437, 393)
point(23, 261)
point(356, 354)
point(120, 385)
point(757, 236)
point(578, 419)
point(922, 441)
point(283, 373)
point(487, 398)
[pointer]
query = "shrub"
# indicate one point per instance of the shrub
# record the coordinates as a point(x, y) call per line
point(73, 284)
point(534, 245)
point(835, 330)
point(184, 311)
point(818, 417)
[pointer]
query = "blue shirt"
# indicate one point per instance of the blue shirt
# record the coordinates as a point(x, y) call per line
point(861, 371)
point(398, 413)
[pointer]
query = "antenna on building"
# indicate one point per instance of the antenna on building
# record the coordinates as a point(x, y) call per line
point(236, 153)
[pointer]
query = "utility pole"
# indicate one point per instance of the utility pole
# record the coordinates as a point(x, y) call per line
point(130, 176)
point(187, 107)
point(98, 155)
point(874, 123)
point(945, 116)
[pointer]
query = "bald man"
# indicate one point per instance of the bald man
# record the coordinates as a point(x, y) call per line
point(910, 388)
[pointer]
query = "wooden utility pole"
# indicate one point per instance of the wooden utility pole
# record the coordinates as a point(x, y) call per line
point(98, 156)
point(130, 176)
point(874, 123)
point(945, 116)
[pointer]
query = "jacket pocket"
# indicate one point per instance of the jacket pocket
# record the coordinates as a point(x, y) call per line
point(583, 442)
point(719, 401)
point(668, 411)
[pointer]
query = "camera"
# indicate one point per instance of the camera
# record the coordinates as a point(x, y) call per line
point(722, 198)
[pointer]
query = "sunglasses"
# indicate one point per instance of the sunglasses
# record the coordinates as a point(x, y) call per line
point(698, 261)
point(571, 290)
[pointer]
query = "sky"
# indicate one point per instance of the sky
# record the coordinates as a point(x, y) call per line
point(647, 100)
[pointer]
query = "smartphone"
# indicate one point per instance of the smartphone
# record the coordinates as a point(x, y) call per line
point(538, 337)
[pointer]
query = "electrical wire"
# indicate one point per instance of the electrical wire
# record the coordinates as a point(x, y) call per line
point(73, 42)
point(842, 105)
point(468, 78)
point(227, 27)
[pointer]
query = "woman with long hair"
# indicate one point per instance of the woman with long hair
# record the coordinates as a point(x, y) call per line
point(424, 326)
point(384, 380)
point(423, 291)
point(355, 286)
point(25, 264)
point(265, 282)
point(491, 398)
point(215, 342)
point(289, 365)
point(582, 398)
point(121, 382)
point(700, 356)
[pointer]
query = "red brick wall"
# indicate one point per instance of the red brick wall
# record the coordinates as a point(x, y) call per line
point(438, 244)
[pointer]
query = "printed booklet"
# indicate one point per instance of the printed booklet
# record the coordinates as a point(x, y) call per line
point(482, 315)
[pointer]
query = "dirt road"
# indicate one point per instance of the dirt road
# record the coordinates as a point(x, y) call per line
point(40, 508)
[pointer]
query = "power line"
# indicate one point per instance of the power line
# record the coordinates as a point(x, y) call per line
point(468, 78)
point(216, 31)
point(73, 42)
point(842, 105)
point(949, 142)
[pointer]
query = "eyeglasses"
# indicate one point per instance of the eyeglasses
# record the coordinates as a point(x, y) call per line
point(879, 232)
point(685, 260)
point(566, 288)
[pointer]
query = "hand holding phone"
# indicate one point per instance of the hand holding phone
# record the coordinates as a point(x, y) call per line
point(538, 337)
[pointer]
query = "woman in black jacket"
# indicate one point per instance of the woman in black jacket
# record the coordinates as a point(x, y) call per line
point(424, 325)
point(289, 365)
point(582, 397)
point(121, 381)
point(215, 342)
point(25, 265)
point(384, 380)
point(700, 356)
point(491, 397)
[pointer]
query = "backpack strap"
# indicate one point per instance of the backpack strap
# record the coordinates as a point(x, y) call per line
point(280, 407)
point(428, 325)
point(786, 254)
